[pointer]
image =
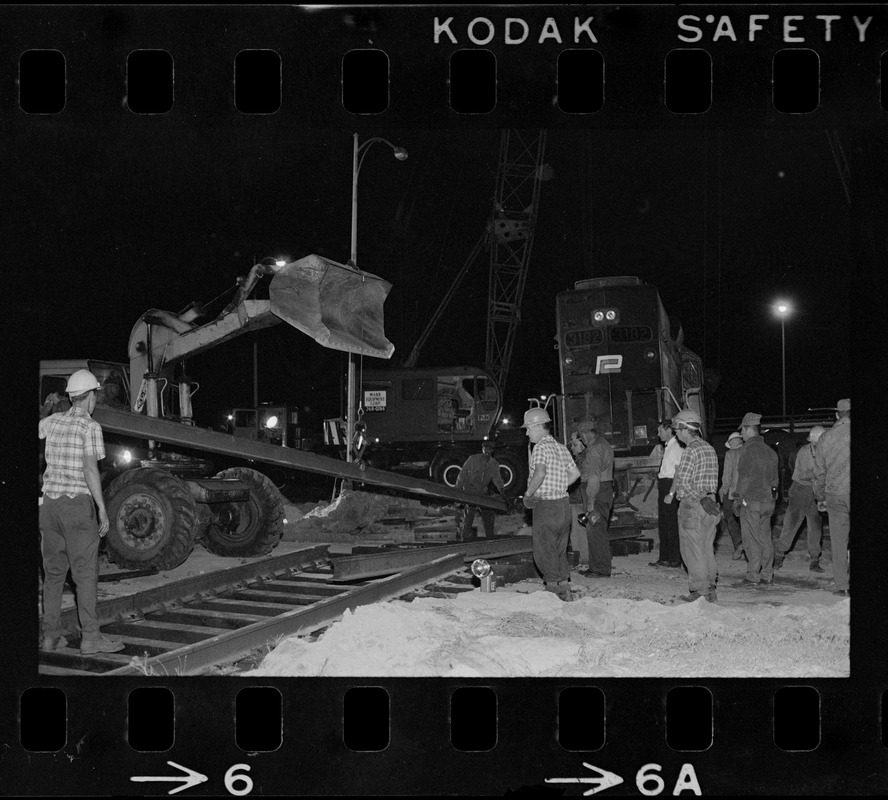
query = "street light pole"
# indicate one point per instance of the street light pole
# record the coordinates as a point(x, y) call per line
point(783, 309)
point(358, 153)
point(783, 353)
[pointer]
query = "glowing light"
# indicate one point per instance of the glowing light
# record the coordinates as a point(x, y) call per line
point(271, 422)
point(480, 568)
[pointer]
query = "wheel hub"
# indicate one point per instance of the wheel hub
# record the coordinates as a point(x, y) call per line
point(141, 522)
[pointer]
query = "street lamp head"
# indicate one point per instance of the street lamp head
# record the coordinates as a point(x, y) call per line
point(400, 153)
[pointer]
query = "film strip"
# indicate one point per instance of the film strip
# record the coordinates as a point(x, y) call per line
point(171, 108)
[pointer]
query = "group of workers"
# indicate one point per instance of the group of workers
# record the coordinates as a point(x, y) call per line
point(571, 488)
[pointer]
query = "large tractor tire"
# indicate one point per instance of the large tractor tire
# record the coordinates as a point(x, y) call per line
point(447, 465)
point(513, 469)
point(247, 529)
point(152, 520)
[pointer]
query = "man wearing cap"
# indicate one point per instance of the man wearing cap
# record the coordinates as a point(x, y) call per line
point(726, 493)
point(69, 531)
point(832, 488)
point(667, 513)
point(802, 506)
point(754, 502)
point(596, 480)
point(694, 486)
point(552, 470)
point(476, 475)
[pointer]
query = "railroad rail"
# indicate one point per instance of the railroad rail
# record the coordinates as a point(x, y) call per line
point(188, 626)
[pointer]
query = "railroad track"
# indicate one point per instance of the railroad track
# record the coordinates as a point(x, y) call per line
point(190, 626)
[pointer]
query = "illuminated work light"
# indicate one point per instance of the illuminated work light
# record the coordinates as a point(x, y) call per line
point(271, 422)
point(481, 569)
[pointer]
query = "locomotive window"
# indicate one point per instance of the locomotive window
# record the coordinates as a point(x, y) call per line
point(690, 375)
point(584, 338)
point(631, 333)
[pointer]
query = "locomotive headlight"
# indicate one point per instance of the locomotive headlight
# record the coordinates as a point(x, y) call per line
point(598, 316)
point(611, 316)
point(568, 360)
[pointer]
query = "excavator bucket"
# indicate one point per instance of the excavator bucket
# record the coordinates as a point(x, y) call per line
point(338, 306)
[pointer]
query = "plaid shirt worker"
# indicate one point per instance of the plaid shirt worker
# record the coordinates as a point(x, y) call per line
point(69, 436)
point(697, 473)
point(558, 462)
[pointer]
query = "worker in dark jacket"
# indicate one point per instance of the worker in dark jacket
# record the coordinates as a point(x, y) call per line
point(476, 475)
point(754, 500)
point(596, 478)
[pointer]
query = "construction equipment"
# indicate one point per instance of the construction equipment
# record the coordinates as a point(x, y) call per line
point(161, 501)
point(433, 419)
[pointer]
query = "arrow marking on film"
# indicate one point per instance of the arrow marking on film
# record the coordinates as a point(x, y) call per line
point(191, 778)
point(599, 784)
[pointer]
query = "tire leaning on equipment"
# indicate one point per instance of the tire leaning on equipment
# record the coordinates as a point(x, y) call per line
point(179, 527)
point(266, 506)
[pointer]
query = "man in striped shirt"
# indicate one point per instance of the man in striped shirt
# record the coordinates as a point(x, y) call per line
point(552, 470)
point(694, 486)
point(69, 531)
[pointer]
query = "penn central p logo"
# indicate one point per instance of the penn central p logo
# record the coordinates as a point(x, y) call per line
point(608, 364)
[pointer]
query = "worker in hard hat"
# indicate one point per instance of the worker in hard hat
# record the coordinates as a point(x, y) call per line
point(667, 513)
point(69, 528)
point(579, 543)
point(552, 470)
point(597, 484)
point(478, 473)
point(754, 502)
point(694, 487)
point(802, 506)
point(726, 493)
point(832, 488)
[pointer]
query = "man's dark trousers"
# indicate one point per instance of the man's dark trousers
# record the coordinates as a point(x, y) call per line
point(667, 523)
point(488, 516)
point(599, 543)
point(551, 533)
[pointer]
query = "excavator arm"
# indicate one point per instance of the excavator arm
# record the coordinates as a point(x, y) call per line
point(337, 305)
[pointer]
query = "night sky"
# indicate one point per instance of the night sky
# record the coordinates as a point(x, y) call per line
point(723, 222)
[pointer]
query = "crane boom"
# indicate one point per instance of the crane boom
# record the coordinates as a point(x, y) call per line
point(513, 224)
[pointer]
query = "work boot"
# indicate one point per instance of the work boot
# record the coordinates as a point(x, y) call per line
point(744, 584)
point(738, 552)
point(814, 566)
point(710, 595)
point(778, 559)
point(53, 643)
point(101, 644)
point(690, 597)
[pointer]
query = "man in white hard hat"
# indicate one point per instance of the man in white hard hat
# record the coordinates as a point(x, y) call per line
point(552, 470)
point(69, 530)
point(754, 502)
point(832, 488)
point(694, 486)
point(726, 493)
point(802, 506)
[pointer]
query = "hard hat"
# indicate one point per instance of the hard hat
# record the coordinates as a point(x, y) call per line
point(534, 416)
point(687, 417)
point(815, 433)
point(844, 404)
point(488, 444)
point(81, 381)
point(733, 438)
